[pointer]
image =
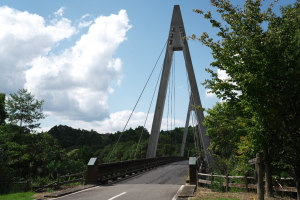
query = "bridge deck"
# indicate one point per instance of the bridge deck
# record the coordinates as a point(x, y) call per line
point(160, 183)
point(173, 173)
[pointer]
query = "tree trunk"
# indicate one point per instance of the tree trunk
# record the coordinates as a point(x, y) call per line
point(268, 171)
point(297, 179)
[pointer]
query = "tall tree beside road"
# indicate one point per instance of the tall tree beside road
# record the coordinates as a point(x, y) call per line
point(23, 109)
point(2, 109)
point(263, 67)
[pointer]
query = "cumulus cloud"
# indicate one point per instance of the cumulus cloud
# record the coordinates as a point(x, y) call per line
point(75, 83)
point(60, 11)
point(83, 22)
point(222, 74)
point(24, 37)
point(209, 94)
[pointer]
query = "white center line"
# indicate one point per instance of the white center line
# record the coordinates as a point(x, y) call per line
point(117, 196)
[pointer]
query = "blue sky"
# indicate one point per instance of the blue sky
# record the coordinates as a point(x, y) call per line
point(89, 60)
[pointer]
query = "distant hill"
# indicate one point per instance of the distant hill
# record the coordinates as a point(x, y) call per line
point(70, 138)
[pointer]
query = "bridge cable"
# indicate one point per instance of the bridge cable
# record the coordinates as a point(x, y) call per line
point(169, 91)
point(172, 109)
point(137, 101)
point(195, 139)
point(172, 93)
point(174, 90)
point(197, 131)
point(173, 102)
point(168, 106)
point(171, 88)
point(159, 76)
point(193, 105)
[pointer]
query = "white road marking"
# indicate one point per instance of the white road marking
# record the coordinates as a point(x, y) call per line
point(117, 196)
point(176, 195)
point(75, 193)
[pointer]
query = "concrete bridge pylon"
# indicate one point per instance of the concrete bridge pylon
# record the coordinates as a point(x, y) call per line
point(177, 42)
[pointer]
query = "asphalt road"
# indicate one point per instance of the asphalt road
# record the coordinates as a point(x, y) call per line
point(161, 183)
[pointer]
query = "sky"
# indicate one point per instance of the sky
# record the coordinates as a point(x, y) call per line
point(90, 60)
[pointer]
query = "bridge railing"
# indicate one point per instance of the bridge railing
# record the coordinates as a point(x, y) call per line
point(112, 171)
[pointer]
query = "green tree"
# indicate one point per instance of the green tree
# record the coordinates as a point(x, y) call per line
point(2, 109)
point(23, 109)
point(231, 128)
point(264, 69)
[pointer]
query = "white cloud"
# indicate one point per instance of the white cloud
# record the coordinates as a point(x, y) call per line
point(24, 37)
point(76, 83)
point(84, 24)
point(85, 16)
point(117, 121)
point(222, 74)
point(208, 94)
point(60, 11)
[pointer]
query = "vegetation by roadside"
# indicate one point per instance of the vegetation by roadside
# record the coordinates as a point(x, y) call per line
point(208, 194)
point(19, 196)
point(223, 199)
point(27, 155)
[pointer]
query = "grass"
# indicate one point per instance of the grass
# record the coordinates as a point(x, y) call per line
point(220, 199)
point(208, 194)
point(18, 196)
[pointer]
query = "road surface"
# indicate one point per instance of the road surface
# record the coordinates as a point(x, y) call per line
point(161, 183)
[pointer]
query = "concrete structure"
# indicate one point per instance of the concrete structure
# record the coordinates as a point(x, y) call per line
point(176, 42)
point(186, 129)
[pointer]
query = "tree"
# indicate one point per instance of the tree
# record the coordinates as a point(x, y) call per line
point(24, 109)
point(225, 125)
point(263, 65)
point(2, 109)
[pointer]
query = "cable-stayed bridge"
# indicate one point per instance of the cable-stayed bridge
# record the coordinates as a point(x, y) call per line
point(108, 172)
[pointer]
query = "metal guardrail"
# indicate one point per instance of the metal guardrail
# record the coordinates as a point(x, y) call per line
point(112, 171)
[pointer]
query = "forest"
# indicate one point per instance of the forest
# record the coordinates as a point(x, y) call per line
point(28, 155)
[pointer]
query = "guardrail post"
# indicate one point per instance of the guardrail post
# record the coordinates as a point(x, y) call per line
point(84, 176)
point(193, 171)
point(227, 183)
point(57, 181)
point(246, 183)
point(92, 171)
point(27, 185)
point(211, 180)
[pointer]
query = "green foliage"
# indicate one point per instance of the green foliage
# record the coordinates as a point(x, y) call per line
point(69, 138)
point(33, 156)
point(19, 196)
point(263, 83)
point(64, 150)
point(24, 109)
point(2, 109)
point(229, 126)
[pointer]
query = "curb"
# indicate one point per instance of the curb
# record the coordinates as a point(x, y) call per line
point(68, 191)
